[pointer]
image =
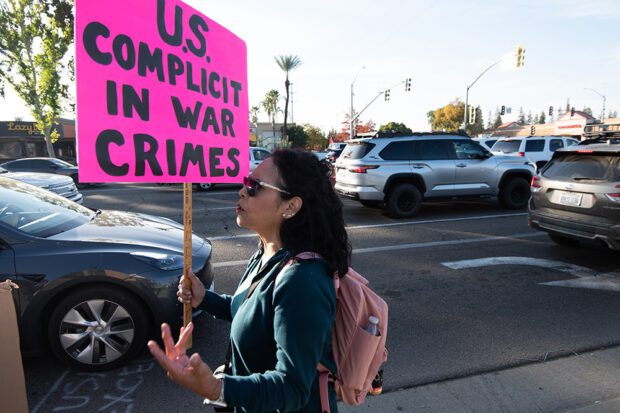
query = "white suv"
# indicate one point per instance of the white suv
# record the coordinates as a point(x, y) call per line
point(537, 149)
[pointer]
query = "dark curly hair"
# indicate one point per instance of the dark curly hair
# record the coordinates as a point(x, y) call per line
point(319, 224)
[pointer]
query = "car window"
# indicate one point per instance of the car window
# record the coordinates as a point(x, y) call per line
point(491, 142)
point(357, 150)
point(508, 146)
point(467, 150)
point(62, 163)
point(431, 150)
point(555, 144)
point(535, 145)
point(397, 151)
point(571, 142)
point(583, 167)
point(38, 212)
point(260, 155)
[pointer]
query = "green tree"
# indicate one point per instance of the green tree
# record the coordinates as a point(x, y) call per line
point(587, 110)
point(316, 138)
point(270, 105)
point(536, 119)
point(477, 127)
point(297, 136)
point(35, 36)
point(542, 119)
point(396, 127)
point(254, 115)
point(498, 119)
point(529, 119)
point(521, 118)
point(447, 118)
point(287, 64)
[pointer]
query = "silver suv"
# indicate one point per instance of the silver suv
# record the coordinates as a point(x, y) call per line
point(401, 172)
point(577, 195)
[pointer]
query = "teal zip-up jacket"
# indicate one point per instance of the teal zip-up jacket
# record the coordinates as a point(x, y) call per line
point(279, 335)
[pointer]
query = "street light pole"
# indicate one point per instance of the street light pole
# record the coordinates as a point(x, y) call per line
point(351, 120)
point(604, 99)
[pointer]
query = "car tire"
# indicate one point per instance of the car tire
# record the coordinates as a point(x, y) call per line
point(403, 201)
point(515, 193)
point(97, 328)
point(372, 204)
point(562, 240)
point(204, 187)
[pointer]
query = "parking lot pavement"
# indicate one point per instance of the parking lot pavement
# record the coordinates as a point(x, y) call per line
point(582, 383)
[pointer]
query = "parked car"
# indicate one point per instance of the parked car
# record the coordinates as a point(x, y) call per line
point(398, 173)
point(334, 151)
point(94, 285)
point(537, 149)
point(257, 155)
point(577, 195)
point(58, 184)
point(47, 165)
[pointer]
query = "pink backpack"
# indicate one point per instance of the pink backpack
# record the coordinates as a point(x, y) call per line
point(358, 354)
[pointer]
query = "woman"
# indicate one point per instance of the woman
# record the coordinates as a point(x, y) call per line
point(283, 329)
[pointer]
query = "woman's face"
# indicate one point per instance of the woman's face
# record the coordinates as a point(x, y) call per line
point(262, 212)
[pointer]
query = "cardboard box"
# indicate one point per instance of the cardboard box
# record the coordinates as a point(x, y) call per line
point(12, 382)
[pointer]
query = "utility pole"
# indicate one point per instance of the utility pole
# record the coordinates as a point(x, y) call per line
point(604, 99)
point(351, 120)
point(519, 61)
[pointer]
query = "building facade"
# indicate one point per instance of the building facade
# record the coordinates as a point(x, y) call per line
point(24, 140)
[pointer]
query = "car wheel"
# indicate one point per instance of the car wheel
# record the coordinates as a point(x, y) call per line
point(204, 187)
point(97, 328)
point(562, 240)
point(372, 204)
point(403, 201)
point(515, 193)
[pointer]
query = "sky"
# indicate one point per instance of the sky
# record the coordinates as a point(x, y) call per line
point(571, 46)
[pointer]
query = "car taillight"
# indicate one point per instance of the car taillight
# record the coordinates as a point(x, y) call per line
point(535, 184)
point(361, 169)
point(520, 153)
point(614, 196)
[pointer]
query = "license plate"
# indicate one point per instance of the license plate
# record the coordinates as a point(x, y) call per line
point(570, 199)
point(341, 172)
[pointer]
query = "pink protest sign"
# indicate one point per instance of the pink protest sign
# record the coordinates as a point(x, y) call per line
point(161, 94)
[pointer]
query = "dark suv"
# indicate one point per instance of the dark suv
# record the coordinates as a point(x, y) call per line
point(577, 195)
point(399, 172)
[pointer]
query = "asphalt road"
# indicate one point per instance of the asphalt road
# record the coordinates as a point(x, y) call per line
point(468, 286)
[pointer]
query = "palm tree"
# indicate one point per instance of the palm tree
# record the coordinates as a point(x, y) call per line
point(270, 105)
point(287, 64)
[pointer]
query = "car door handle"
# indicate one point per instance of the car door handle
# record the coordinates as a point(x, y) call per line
point(418, 167)
point(461, 165)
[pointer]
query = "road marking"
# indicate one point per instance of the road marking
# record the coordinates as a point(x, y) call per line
point(52, 390)
point(410, 246)
point(586, 278)
point(392, 224)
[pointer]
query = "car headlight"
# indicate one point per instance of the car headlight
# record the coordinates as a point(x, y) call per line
point(166, 262)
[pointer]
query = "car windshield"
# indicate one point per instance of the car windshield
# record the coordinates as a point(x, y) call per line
point(2, 170)
point(507, 146)
point(38, 212)
point(62, 163)
point(584, 167)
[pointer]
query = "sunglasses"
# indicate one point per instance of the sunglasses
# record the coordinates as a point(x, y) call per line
point(253, 185)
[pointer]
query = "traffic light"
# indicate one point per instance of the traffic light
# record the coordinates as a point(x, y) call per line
point(408, 84)
point(387, 95)
point(472, 114)
point(572, 112)
point(550, 110)
point(503, 110)
point(532, 130)
point(520, 56)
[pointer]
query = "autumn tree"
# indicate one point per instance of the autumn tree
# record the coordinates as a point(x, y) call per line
point(287, 64)
point(448, 118)
point(35, 36)
point(395, 127)
point(360, 127)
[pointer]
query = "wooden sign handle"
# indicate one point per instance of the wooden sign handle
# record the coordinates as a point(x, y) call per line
point(187, 251)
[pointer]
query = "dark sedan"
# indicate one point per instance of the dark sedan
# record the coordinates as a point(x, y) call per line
point(94, 285)
point(49, 165)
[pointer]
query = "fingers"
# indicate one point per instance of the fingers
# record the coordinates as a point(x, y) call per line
point(166, 336)
point(159, 355)
point(185, 334)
